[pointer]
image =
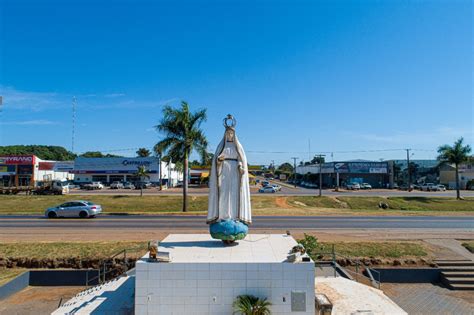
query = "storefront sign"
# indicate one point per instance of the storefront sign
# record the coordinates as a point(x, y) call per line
point(17, 159)
point(114, 165)
point(64, 166)
point(45, 166)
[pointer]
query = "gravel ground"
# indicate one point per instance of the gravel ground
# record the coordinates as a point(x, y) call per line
point(37, 300)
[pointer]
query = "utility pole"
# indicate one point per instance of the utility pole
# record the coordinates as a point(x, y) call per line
point(294, 170)
point(408, 169)
point(321, 174)
point(73, 122)
point(273, 166)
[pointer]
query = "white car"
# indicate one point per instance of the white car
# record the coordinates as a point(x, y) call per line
point(94, 185)
point(76, 208)
point(438, 188)
point(267, 189)
point(277, 187)
point(365, 186)
point(427, 187)
point(353, 186)
point(116, 185)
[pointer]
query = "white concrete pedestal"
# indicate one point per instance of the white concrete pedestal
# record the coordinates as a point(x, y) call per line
point(204, 276)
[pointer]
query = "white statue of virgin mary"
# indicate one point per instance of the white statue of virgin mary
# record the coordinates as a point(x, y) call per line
point(229, 210)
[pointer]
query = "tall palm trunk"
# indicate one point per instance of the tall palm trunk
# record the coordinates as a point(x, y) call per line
point(161, 173)
point(458, 193)
point(185, 183)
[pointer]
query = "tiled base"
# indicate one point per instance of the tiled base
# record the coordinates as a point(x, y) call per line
point(211, 288)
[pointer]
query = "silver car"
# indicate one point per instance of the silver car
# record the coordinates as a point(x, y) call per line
point(75, 208)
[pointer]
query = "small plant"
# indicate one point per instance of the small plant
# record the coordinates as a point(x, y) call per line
point(251, 305)
point(310, 243)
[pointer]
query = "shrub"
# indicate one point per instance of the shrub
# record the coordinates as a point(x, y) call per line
point(251, 305)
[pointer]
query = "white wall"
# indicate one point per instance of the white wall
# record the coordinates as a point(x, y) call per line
point(211, 288)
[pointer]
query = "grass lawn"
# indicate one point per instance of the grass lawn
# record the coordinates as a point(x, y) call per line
point(469, 245)
point(411, 203)
point(8, 274)
point(44, 250)
point(261, 205)
point(375, 249)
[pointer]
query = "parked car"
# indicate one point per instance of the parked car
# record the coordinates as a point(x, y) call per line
point(144, 185)
point(427, 187)
point(405, 187)
point(365, 186)
point(128, 185)
point(267, 189)
point(75, 208)
point(265, 183)
point(438, 188)
point(116, 185)
point(353, 186)
point(94, 186)
point(277, 187)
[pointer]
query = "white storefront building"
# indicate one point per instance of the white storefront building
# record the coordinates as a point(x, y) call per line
point(123, 169)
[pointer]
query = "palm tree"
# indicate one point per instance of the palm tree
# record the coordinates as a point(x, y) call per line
point(183, 135)
point(142, 173)
point(456, 154)
point(143, 152)
point(251, 305)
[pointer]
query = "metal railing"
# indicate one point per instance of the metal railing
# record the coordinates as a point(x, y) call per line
point(106, 263)
point(373, 276)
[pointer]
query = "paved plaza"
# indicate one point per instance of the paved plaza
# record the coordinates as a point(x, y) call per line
point(427, 298)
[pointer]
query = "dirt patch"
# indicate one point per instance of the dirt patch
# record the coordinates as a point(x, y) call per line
point(282, 202)
point(37, 300)
point(341, 203)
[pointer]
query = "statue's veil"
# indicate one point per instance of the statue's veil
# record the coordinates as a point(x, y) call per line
point(245, 210)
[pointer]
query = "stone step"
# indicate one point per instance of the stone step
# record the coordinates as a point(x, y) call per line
point(455, 263)
point(464, 280)
point(457, 268)
point(455, 274)
point(457, 286)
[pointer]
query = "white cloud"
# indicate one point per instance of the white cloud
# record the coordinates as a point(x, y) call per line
point(14, 99)
point(111, 95)
point(38, 122)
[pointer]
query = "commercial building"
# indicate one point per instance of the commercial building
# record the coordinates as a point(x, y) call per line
point(447, 176)
point(25, 170)
point(108, 170)
point(345, 172)
point(421, 171)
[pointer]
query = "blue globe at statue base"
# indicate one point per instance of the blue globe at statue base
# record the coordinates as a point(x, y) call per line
point(228, 231)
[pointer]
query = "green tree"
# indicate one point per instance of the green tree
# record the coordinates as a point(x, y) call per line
point(317, 159)
point(45, 152)
point(456, 154)
point(206, 158)
point(97, 154)
point(251, 305)
point(143, 152)
point(195, 163)
point(182, 136)
point(142, 173)
point(286, 167)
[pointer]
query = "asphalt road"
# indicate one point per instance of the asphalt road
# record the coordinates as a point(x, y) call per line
point(285, 191)
point(261, 222)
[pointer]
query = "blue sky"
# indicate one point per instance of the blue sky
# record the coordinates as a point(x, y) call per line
point(342, 75)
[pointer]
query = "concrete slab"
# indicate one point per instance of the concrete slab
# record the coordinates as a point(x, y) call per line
point(350, 297)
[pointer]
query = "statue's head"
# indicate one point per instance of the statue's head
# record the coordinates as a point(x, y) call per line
point(229, 134)
point(229, 124)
